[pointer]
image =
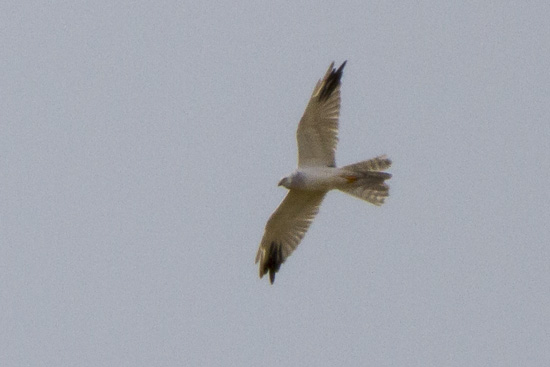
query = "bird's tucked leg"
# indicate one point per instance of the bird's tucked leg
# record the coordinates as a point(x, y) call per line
point(350, 178)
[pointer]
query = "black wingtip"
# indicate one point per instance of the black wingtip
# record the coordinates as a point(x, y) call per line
point(341, 68)
point(274, 261)
point(332, 82)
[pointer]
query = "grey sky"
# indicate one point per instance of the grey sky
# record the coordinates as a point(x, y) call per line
point(140, 149)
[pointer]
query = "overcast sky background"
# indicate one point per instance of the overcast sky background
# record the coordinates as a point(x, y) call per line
point(141, 145)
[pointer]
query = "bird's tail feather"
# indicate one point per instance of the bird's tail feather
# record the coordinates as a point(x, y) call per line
point(366, 181)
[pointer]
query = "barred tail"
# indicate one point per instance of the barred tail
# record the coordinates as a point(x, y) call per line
point(366, 181)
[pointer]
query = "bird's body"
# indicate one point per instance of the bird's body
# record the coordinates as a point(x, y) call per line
point(316, 175)
point(314, 179)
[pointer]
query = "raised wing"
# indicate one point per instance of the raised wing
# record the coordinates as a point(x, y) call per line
point(317, 133)
point(285, 229)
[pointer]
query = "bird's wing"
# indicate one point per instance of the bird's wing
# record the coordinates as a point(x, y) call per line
point(317, 133)
point(285, 229)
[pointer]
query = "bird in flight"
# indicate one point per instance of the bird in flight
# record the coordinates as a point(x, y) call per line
point(317, 174)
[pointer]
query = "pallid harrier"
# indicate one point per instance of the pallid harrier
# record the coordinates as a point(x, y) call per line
point(316, 175)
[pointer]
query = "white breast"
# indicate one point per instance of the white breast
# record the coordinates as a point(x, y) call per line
point(317, 179)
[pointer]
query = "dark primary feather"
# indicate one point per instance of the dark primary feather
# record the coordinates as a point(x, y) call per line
point(274, 261)
point(333, 81)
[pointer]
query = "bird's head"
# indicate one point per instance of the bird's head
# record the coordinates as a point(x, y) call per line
point(293, 181)
point(286, 181)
